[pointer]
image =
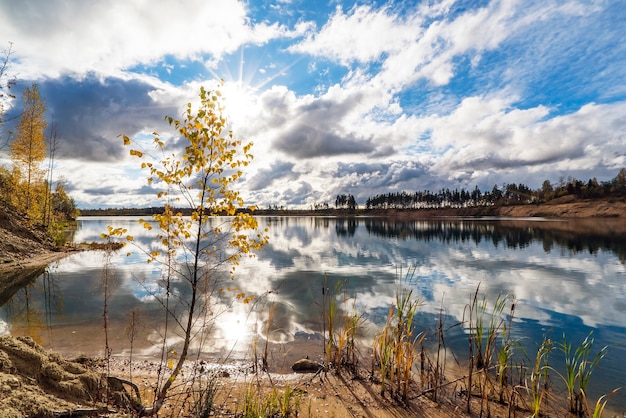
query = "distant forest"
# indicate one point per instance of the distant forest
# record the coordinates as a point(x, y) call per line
point(509, 194)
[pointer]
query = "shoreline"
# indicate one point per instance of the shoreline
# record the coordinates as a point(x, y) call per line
point(592, 209)
point(36, 261)
point(343, 394)
point(47, 256)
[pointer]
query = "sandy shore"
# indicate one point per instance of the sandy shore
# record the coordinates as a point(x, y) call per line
point(39, 260)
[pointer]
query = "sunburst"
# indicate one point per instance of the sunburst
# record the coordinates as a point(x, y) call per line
point(242, 87)
point(241, 102)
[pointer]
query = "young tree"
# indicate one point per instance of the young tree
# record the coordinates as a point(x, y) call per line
point(197, 248)
point(28, 151)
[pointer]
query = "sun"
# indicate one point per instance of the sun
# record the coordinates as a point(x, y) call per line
point(243, 82)
point(240, 102)
point(235, 327)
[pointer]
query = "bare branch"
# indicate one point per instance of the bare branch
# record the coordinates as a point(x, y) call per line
point(6, 82)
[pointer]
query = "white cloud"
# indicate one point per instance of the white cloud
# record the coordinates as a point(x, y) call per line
point(66, 36)
point(363, 34)
point(412, 46)
point(488, 134)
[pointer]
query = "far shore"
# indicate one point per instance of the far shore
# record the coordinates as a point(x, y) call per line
point(565, 207)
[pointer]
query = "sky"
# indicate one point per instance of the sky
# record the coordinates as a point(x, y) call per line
point(338, 97)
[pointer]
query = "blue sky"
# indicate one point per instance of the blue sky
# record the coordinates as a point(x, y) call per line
point(359, 97)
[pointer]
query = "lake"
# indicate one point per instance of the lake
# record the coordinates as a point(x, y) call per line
point(568, 277)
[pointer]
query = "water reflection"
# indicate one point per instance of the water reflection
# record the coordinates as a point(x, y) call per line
point(583, 235)
point(28, 304)
point(568, 276)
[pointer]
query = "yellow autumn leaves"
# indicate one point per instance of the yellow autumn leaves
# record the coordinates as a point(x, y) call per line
point(202, 179)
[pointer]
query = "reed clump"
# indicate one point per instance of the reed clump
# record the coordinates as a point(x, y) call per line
point(498, 375)
point(272, 403)
point(341, 326)
point(395, 349)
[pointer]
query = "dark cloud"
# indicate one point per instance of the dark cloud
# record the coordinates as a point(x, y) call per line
point(314, 129)
point(91, 114)
point(493, 161)
point(120, 189)
point(409, 173)
point(383, 151)
point(265, 177)
point(361, 169)
point(98, 191)
point(303, 141)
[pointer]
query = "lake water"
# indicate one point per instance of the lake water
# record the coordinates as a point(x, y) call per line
point(568, 277)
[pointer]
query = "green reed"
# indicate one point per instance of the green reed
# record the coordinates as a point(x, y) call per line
point(486, 326)
point(395, 349)
point(275, 403)
point(342, 323)
point(537, 385)
point(600, 404)
point(578, 369)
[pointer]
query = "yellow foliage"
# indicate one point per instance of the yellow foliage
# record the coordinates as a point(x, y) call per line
point(27, 152)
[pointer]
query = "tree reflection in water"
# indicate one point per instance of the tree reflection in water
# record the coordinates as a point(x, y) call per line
point(28, 304)
point(581, 235)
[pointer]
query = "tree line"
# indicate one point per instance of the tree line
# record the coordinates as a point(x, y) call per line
point(508, 194)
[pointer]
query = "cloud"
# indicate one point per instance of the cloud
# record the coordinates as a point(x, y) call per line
point(310, 127)
point(363, 34)
point(414, 44)
point(91, 113)
point(266, 177)
point(380, 176)
point(305, 141)
point(112, 37)
point(295, 196)
point(485, 134)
